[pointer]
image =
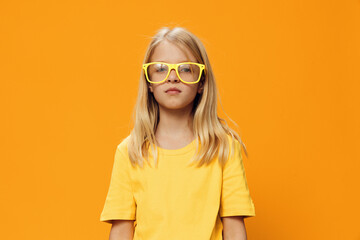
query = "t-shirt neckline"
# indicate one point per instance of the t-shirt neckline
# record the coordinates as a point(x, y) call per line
point(178, 151)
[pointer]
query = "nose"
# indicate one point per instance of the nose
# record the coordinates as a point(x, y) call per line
point(173, 76)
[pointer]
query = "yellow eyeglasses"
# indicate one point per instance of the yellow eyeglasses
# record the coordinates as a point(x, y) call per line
point(188, 72)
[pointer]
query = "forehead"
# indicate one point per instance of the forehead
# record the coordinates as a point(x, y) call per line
point(169, 52)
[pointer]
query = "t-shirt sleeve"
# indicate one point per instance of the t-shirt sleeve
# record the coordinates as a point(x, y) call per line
point(235, 196)
point(120, 202)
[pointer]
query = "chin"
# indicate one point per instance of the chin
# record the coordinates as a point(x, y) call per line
point(177, 106)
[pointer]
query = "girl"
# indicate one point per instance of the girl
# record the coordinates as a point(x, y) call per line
point(179, 174)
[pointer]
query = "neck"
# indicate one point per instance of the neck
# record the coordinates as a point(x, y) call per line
point(175, 123)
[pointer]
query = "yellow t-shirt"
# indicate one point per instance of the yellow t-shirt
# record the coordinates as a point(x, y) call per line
point(177, 200)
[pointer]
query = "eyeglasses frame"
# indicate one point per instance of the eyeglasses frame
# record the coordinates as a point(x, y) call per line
point(174, 66)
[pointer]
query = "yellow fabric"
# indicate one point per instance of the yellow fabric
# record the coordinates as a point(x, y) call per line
point(177, 200)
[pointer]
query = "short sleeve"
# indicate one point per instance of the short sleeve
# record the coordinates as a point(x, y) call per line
point(120, 202)
point(235, 196)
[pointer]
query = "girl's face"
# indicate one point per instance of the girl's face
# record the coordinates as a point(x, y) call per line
point(170, 53)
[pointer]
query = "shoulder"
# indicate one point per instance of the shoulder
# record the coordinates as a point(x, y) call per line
point(123, 145)
point(235, 150)
point(233, 142)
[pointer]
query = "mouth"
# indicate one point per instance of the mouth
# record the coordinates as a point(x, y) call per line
point(173, 90)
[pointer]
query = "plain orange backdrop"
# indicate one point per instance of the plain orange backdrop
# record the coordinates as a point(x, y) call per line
point(288, 75)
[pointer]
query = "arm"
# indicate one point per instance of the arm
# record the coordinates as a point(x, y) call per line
point(234, 228)
point(122, 230)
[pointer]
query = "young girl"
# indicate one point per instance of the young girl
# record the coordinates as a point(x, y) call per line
point(179, 174)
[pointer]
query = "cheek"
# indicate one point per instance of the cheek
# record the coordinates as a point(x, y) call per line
point(158, 93)
point(192, 90)
point(190, 94)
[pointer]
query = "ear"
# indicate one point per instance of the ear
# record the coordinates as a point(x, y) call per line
point(201, 87)
point(151, 89)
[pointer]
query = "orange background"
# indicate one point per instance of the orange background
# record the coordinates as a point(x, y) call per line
point(288, 75)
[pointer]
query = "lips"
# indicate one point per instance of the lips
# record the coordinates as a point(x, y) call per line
point(173, 89)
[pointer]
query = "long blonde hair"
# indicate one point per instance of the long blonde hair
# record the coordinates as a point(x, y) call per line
point(212, 131)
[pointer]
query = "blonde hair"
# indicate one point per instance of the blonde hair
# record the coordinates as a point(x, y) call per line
point(211, 130)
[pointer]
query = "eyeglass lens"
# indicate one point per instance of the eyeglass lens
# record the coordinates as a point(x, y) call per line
point(188, 72)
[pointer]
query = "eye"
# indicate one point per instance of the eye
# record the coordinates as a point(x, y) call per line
point(185, 68)
point(161, 68)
